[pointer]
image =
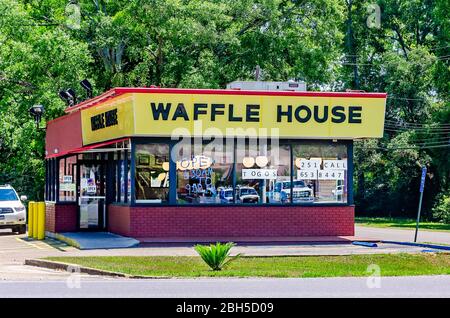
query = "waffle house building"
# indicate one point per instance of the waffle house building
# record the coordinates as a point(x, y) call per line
point(211, 164)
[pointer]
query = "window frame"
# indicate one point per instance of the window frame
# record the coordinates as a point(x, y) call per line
point(133, 174)
point(289, 142)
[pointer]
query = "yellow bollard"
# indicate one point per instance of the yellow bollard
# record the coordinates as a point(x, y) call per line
point(30, 218)
point(35, 220)
point(41, 220)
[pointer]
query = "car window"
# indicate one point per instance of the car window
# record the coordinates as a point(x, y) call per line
point(8, 195)
point(299, 184)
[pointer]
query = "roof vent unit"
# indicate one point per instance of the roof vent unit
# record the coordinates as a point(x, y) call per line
point(268, 86)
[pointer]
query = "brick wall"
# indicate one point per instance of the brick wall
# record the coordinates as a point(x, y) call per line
point(60, 217)
point(119, 219)
point(236, 221)
point(50, 217)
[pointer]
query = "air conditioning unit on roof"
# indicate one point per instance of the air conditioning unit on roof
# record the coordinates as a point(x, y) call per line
point(268, 86)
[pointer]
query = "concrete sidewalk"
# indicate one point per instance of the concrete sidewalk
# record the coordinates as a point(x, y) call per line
point(259, 239)
point(403, 235)
point(96, 240)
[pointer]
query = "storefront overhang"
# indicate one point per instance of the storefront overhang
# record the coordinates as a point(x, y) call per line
point(158, 112)
point(63, 135)
point(98, 147)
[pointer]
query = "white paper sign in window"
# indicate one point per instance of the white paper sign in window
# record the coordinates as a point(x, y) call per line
point(259, 174)
point(67, 179)
point(306, 174)
point(68, 187)
point(335, 164)
point(330, 174)
point(304, 164)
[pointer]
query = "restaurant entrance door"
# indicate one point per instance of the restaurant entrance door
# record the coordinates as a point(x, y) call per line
point(91, 195)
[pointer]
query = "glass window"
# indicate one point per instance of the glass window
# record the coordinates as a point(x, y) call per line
point(263, 173)
point(128, 186)
point(8, 195)
point(322, 167)
point(51, 179)
point(152, 173)
point(123, 179)
point(206, 176)
point(67, 179)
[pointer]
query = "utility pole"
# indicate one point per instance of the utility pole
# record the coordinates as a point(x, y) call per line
point(257, 73)
point(422, 185)
point(350, 45)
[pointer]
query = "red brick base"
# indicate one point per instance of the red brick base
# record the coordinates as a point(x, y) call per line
point(210, 222)
point(60, 217)
point(231, 221)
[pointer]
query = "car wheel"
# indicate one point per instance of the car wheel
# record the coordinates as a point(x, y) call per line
point(22, 229)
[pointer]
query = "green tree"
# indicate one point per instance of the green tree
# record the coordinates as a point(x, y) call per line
point(36, 61)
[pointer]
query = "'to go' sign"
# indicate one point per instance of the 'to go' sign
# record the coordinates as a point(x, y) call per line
point(259, 174)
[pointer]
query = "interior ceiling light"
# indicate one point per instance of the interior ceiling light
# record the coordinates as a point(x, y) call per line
point(262, 161)
point(248, 162)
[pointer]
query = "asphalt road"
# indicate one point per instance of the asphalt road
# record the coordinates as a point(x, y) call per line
point(419, 286)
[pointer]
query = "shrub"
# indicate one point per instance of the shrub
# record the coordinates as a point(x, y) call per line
point(216, 255)
point(441, 210)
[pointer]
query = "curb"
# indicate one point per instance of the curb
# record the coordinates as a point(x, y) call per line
point(72, 268)
point(438, 247)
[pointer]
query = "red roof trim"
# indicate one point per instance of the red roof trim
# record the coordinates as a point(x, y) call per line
point(142, 90)
point(89, 147)
point(93, 101)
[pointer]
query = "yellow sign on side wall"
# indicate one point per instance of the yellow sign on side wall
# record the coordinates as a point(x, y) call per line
point(109, 120)
point(167, 114)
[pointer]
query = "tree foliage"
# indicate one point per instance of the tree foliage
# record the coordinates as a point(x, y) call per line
point(48, 45)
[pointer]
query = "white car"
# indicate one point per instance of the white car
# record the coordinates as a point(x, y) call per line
point(13, 214)
point(302, 193)
point(247, 195)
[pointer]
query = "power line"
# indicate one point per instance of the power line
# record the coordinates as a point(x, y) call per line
point(417, 129)
point(428, 133)
point(400, 126)
point(439, 48)
point(438, 139)
point(416, 125)
point(404, 98)
point(412, 147)
point(430, 139)
point(411, 126)
point(424, 143)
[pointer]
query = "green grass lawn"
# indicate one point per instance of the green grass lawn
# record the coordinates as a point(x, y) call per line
point(400, 223)
point(290, 266)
